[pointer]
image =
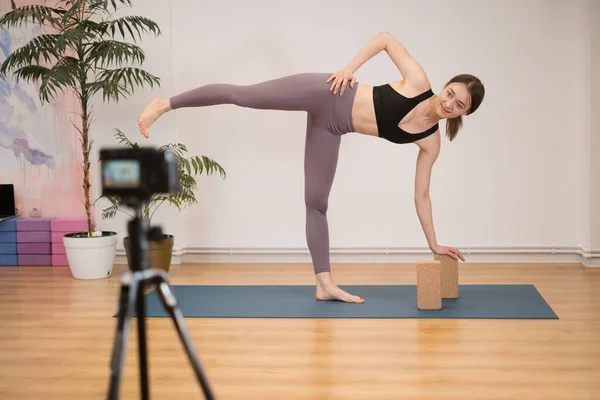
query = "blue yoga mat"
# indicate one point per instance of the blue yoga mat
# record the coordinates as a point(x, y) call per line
point(381, 301)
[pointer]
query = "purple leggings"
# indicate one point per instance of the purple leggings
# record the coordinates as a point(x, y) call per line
point(328, 117)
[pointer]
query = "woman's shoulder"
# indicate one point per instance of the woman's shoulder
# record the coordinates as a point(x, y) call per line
point(411, 88)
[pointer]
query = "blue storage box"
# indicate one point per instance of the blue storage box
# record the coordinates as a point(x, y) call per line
point(8, 243)
point(8, 248)
point(9, 260)
point(9, 225)
point(8, 237)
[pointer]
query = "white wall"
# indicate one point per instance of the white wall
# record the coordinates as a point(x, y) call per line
point(515, 177)
point(594, 148)
point(124, 115)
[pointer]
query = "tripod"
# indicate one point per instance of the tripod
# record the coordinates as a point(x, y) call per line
point(132, 294)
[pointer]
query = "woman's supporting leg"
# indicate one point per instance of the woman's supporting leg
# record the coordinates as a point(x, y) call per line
point(321, 153)
point(320, 164)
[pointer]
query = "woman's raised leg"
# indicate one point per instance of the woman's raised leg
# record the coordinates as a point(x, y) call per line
point(300, 92)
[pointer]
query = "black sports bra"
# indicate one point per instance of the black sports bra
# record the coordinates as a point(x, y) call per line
point(391, 107)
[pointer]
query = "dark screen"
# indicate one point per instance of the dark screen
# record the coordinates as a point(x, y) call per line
point(7, 200)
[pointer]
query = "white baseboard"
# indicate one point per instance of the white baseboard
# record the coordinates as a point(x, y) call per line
point(121, 258)
point(589, 257)
point(592, 262)
point(562, 254)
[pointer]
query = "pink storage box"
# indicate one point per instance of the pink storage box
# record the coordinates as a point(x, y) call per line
point(57, 237)
point(34, 224)
point(60, 260)
point(68, 225)
point(34, 248)
point(33, 237)
point(35, 259)
point(58, 248)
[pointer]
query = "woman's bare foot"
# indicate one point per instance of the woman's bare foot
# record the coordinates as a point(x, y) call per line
point(328, 290)
point(153, 110)
point(335, 293)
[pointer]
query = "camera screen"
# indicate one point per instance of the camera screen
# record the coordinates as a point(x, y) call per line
point(121, 174)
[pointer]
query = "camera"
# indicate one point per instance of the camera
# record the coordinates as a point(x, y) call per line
point(135, 174)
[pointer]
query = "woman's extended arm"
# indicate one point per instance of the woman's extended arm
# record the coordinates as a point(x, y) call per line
point(409, 68)
point(375, 46)
point(425, 161)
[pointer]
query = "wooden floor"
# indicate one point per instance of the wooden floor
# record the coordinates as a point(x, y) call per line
point(57, 335)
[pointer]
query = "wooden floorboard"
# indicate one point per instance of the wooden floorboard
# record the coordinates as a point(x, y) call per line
point(57, 335)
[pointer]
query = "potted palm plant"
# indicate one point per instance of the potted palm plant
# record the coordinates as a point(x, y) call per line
point(79, 52)
point(189, 167)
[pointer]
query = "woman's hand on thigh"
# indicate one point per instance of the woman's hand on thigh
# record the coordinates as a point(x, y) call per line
point(340, 80)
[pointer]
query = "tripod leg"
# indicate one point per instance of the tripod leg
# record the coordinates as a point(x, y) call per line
point(126, 302)
point(143, 348)
point(170, 303)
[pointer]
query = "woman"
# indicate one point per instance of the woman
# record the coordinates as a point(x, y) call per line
point(405, 111)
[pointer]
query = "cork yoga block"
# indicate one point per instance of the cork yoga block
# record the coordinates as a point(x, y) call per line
point(429, 285)
point(449, 271)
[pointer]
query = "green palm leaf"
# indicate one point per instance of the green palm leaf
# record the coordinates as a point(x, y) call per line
point(110, 212)
point(120, 82)
point(59, 78)
point(123, 139)
point(31, 73)
point(39, 48)
point(73, 38)
point(129, 24)
point(109, 51)
point(99, 7)
point(114, 3)
point(41, 15)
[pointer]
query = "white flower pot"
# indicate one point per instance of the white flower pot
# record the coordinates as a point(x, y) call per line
point(91, 257)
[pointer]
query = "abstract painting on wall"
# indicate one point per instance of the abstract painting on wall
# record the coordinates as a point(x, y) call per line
point(39, 147)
